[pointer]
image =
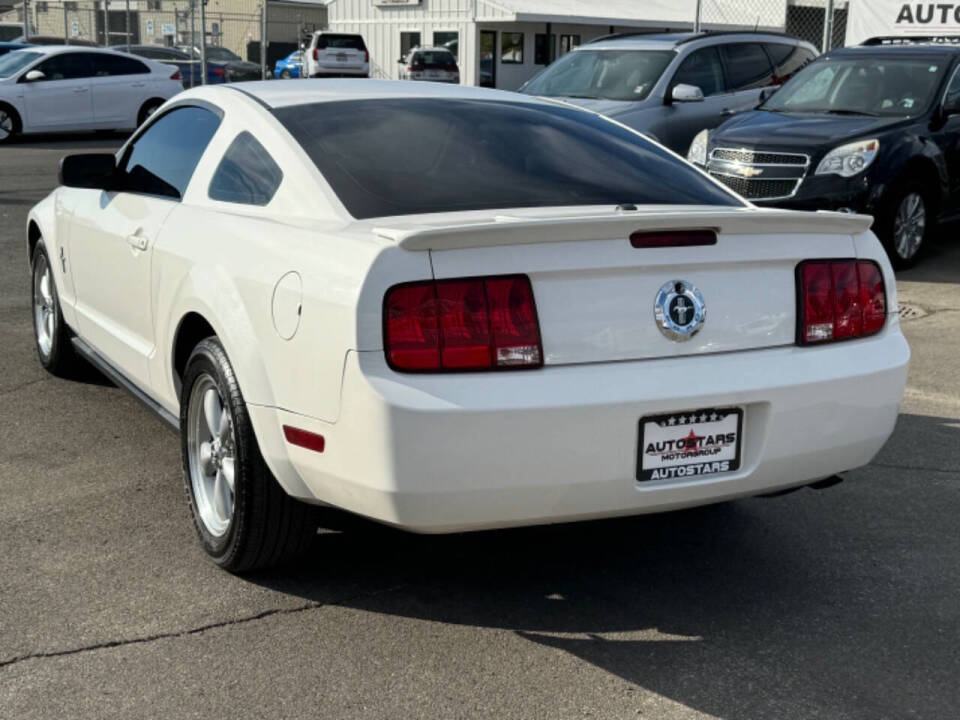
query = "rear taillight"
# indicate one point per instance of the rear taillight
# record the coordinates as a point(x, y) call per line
point(839, 300)
point(219, 72)
point(458, 325)
point(415, 68)
point(316, 53)
point(176, 75)
point(366, 56)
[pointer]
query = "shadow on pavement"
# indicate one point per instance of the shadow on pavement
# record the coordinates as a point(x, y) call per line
point(816, 604)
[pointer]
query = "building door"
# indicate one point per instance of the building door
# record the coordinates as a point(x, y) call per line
point(488, 58)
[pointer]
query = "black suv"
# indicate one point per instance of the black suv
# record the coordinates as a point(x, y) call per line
point(873, 129)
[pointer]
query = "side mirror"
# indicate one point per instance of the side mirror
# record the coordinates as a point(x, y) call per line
point(97, 171)
point(34, 75)
point(683, 93)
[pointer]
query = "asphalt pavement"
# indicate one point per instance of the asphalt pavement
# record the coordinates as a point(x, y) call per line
point(841, 603)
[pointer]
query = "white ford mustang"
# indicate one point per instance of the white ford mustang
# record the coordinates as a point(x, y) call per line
point(449, 308)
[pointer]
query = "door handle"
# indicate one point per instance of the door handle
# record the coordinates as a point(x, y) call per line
point(81, 90)
point(138, 241)
point(138, 84)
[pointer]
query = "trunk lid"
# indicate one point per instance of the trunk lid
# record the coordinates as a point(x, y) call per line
point(596, 293)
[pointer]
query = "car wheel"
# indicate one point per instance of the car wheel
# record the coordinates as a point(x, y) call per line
point(905, 225)
point(50, 332)
point(244, 519)
point(148, 109)
point(9, 123)
point(285, 74)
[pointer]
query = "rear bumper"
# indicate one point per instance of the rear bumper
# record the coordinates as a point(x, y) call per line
point(466, 452)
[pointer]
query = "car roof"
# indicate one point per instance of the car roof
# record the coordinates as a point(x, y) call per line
point(666, 41)
point(273, 94)
point(56, 49)
point(897, 50)
point(431, 48)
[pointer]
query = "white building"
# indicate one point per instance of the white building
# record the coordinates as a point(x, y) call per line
point(503, 43)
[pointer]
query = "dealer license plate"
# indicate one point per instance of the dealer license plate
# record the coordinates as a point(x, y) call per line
point(690, 444)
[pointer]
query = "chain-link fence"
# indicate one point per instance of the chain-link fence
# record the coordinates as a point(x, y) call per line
point(821, 22)
point(235, 25)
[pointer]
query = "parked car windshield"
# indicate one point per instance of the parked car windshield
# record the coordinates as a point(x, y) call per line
point(433, 59)
point(14, 62)
point(861, 86)
point(606, 74)
point(425, 155)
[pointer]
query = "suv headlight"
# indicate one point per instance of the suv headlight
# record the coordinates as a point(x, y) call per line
point(848, 160)
point(697, 153)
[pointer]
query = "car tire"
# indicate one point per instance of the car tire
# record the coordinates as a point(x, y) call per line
point(148, 109)
point(285, 75)
point(50, 333)
point(906, 223)
point(10, 125)
point(253, 524)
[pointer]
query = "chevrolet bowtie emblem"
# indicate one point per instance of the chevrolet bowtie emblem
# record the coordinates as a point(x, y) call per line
point(745, 171)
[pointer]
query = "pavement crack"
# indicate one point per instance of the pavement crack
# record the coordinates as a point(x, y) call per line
point(312, 605)
point(21, 386)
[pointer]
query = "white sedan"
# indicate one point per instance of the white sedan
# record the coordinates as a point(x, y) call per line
point(66, 88)
point(449, 308)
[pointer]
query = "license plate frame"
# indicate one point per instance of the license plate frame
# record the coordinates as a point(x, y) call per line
point(712, 456)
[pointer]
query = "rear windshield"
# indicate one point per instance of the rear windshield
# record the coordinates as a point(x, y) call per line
point(350, 42)
point(424, 155)
point(433, 59)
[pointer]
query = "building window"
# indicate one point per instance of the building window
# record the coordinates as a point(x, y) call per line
point(448, 40)
point(408, 41)
point(42, 7)
point(541, 50)
point(511, 48)
point(153, 5)
point(70, 5)
point(568, 43)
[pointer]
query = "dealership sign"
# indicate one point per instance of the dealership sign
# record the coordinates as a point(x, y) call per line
point(886, 18)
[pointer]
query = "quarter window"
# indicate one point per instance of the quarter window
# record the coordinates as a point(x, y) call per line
point(162, 160)
point(105, 65)
point(702, 69)
point(247, 174)
point(747, 66)
point(511, 48)
point(787, 60)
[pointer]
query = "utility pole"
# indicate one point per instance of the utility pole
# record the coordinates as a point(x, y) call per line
point(66, 30)
point(263, 42)
point(193, 37)
point(26, 20)
point(203, 42)
point(106, 23)
point(128, 26)
point(696, 20)
point(828, 26)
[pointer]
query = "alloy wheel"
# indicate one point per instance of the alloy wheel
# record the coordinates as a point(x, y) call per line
point(909, 225)
point(44, 306)
point(211, 448)
point(6, 125)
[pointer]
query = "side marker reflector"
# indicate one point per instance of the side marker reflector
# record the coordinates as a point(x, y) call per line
point(304, 439)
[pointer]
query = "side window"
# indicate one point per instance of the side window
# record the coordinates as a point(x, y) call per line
point(247, 174)
point(701, 69)
point(66, 66)
point(106, 65)
point(952, 96)
point(162, 160)
point(787, 60)
point(747, 66)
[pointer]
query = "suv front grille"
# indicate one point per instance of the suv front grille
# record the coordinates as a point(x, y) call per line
point(751, 157)
point(757, 174)
point(759, 189)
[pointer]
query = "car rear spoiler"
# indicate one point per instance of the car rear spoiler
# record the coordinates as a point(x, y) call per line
point(519, 230)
